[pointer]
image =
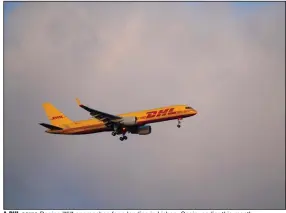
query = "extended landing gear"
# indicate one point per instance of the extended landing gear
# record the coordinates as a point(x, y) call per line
point(179, 123)
point(117, 131)
point(123, 138)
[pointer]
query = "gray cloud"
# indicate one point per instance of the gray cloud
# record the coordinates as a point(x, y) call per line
point(119, 57)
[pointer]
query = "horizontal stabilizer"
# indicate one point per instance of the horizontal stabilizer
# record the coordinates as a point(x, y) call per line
point(51, 127)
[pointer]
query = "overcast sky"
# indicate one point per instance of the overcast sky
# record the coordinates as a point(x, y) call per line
point(225, 61)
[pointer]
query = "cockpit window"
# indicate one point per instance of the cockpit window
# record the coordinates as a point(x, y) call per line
point(188, 107)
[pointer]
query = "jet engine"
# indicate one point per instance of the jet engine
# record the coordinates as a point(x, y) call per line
point(144, 130)
point(129, 121)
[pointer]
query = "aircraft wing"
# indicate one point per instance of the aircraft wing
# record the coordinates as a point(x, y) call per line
point(102, 116)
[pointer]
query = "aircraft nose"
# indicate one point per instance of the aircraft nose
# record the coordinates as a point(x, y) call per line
point(195, 112)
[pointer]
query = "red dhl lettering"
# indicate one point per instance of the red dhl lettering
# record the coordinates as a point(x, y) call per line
point(152, 114)
point(57, 117)
point(162, 112)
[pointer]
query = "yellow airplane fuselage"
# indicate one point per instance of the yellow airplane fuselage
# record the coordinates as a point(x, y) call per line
point(143, 117)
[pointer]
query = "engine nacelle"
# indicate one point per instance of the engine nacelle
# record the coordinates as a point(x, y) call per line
point(144, 130)
point(129, 121)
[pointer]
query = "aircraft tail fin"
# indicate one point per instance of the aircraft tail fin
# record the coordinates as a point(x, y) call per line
point(51, 127)
point(56, 117)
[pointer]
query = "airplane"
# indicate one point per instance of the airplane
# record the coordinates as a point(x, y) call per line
point(133, 122)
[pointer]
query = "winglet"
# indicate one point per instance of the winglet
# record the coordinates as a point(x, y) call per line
point(78, 101)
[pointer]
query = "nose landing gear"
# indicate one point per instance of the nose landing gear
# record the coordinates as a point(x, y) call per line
point(179, 122)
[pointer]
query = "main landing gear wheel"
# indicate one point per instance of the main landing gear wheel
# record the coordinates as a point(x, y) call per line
point(113, 133)
point(123, 138)
point(179, 126)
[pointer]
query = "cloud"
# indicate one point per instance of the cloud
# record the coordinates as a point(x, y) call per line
point(120, 57)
